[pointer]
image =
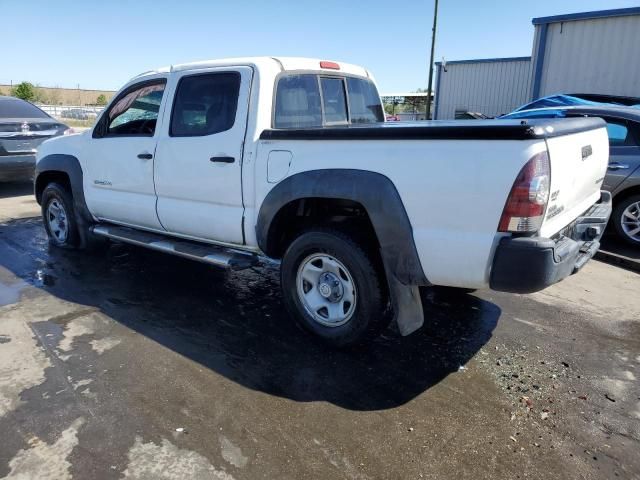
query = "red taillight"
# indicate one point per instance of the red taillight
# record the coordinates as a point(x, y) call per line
point(528, 199)
point(330, 65)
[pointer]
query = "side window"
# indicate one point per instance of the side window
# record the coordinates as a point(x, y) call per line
point(136, 112)
point(205, 104)
point(298, 102)
point(334, 100)
point(539, 114)
point(618, 132)
point(364, 101)
point(634, 133)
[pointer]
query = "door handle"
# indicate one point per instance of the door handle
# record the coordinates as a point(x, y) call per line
point(222, 159)
point(145, 156)
point(617, 166)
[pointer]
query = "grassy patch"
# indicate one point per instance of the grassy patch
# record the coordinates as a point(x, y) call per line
point(72, 122)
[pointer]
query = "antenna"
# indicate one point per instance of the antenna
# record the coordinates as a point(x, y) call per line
point(444, 64)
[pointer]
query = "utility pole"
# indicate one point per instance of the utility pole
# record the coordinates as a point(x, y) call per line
point(433, 44)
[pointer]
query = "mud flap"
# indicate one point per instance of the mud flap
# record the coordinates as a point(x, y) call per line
point(407, 306)
point(83, 229)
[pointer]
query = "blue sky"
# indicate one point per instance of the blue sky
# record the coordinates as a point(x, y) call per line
point(103, 44)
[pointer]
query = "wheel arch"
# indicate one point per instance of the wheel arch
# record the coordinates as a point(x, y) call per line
point(64, 169)
point(377, 195)
point(626, 193)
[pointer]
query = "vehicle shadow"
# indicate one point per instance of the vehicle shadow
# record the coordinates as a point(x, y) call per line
point(612, 243)
point(15, 189)
point(234, 322)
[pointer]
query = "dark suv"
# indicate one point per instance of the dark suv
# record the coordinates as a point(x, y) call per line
point(23, 127)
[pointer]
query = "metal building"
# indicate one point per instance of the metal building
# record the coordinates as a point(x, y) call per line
point(491, 86)
point(590, 52)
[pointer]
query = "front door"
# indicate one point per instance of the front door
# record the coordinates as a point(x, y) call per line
point(119, 159)
point(198, 159)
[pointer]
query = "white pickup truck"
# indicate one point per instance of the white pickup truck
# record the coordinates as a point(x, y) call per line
point(232, 161)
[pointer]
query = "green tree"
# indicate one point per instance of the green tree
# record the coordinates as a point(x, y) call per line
point(415, 104)
point(25, 91)
point(101, 100)
point(392, 105)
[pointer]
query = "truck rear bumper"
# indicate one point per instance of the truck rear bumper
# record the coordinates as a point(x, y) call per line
point(530, 264)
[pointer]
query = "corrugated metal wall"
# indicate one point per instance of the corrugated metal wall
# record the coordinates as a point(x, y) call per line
point(591, 56)
point(491, 87)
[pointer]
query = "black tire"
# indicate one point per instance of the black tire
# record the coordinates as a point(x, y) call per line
point(617, 218)
point(371, 313)
point(54, 192)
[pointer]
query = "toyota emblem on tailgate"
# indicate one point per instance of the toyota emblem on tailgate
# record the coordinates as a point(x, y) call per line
point(25, 127)
point(586, 151)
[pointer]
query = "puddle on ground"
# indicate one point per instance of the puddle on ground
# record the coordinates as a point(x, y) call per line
point(50, 333)
point(44, 279)
point(10, 292)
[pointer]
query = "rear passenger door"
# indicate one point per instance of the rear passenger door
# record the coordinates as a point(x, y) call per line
point(199, 154)
point(624, 147)
point(624, 151)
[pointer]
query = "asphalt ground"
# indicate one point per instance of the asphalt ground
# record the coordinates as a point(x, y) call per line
point(134, 364)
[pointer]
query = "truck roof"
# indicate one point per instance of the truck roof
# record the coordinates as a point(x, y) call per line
point(279, 63)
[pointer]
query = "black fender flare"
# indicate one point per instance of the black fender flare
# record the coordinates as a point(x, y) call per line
point(69, 165)
point(375, 192)
point(380, 198)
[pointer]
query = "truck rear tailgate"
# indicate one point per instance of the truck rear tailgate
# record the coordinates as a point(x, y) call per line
point(578, 166)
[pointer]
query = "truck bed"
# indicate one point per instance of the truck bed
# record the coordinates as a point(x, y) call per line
point(442, 130)
point(454, 191)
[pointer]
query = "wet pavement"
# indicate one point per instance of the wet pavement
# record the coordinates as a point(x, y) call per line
point(134, 364)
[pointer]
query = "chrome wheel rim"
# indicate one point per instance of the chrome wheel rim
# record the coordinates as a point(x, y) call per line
point(631, 221)
point(57, 220)
point(326, 290)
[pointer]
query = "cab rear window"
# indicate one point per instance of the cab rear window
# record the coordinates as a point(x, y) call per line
point(310, 100)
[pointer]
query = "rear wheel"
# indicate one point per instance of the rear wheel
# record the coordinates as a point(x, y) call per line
point(332, 288)
point(59, 216)
point(626, 219)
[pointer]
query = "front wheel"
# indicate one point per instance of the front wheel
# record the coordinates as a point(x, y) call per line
point(59, 217)
point(331, 287)
point(626, 219)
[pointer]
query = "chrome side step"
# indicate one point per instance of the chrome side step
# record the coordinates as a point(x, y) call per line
point(202, 252)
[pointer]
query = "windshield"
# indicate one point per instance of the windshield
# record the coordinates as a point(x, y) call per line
point(16, 108)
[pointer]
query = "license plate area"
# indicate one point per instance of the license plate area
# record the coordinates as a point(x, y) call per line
point(591, 224)
point(19, 146)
